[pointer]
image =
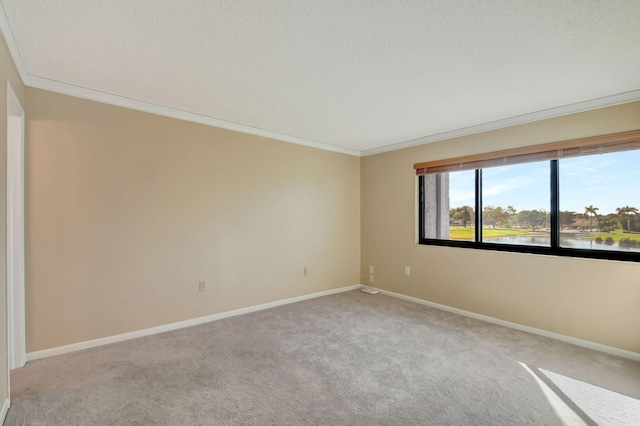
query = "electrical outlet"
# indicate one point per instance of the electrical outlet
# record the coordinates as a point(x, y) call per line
point(306, 270)
point(407, 270)
point(202, 285)
point(371, 269)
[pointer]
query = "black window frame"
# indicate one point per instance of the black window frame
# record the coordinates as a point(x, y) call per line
point(554, 250)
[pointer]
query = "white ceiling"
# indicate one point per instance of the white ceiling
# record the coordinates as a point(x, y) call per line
point(357, 76)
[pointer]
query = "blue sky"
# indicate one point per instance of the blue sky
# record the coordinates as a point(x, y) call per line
point(605, 181)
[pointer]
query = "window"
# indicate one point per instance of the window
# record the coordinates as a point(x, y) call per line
point(516, 204)
point(449, 207)
point(574, 198)
point(599, 202)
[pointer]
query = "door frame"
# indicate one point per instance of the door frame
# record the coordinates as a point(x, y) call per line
point(15, 255)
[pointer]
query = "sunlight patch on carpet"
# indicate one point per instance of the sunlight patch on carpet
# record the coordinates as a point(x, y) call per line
point(580, 403)
point(602, 405)
point(566, 414)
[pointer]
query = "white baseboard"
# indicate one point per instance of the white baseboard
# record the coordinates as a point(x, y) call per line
point(5, 409)
point(201, 320)
point(568, 339)
point(32, 356)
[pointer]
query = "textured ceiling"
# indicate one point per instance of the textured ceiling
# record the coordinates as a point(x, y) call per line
point(357, 74)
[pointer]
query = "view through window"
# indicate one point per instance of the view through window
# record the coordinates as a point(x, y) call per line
point(516, 204)
point(587, 203)
point(599, 201)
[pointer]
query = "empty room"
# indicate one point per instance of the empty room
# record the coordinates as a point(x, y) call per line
point(297, 212)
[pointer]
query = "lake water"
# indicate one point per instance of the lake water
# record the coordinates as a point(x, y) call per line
point(565, 241)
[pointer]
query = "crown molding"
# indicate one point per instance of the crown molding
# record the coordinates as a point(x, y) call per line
point(606, 101)
point(120, 101)
point(111, 99)
point(116, 100)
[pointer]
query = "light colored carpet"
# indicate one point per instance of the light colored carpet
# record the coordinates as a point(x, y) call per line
point(345, 359)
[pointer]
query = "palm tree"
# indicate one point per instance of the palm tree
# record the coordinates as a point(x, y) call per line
point(590, 211)
point(626, 212)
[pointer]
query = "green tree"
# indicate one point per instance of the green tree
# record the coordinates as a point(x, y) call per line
point(468, 214)
point(533, 218)
point(590, 211)
point(610, 223)
point(491, 215)
point(627, 212)
point(546, 218)
point(567, 218)
point(510, 214)
point(502, 217)
point(463, 214)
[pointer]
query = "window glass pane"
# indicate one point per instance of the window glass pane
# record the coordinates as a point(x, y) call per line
point(516, 204)
point(448, 206)
point(600, 202)
point(462, 199)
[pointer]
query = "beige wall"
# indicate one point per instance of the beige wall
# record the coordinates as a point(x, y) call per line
point(8, 72)
point(595, 300)
point(127, 211)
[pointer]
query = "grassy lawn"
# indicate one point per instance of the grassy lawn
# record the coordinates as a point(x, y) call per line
point(460, 233)
point(616, 235)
